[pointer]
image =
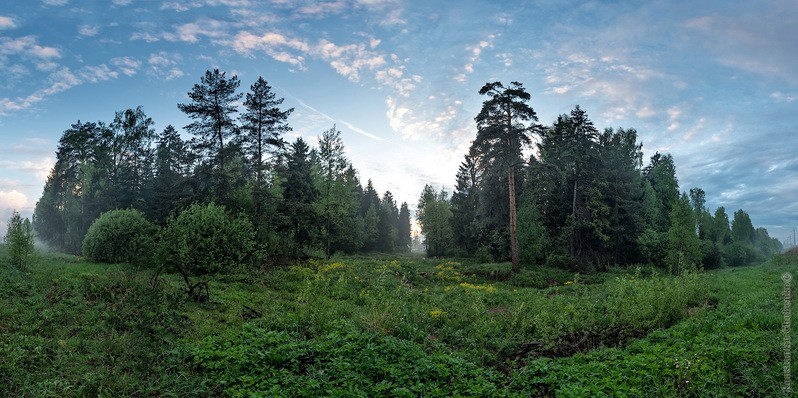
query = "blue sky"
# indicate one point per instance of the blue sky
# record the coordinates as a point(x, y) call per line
point(714, 83)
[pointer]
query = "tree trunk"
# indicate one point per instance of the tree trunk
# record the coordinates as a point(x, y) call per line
point(573, 224)
point(513, 220)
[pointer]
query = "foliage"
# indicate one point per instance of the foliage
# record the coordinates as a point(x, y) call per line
point(120, 236)
point(205, 240)
point(434, 216)
point(19, 241)
point(392, 327)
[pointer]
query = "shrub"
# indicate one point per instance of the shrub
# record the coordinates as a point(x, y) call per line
point(19, 241)
point(205, 240)
point(120, 236)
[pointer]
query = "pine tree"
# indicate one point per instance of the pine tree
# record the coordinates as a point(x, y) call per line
point(502, 132)
point(213, 102)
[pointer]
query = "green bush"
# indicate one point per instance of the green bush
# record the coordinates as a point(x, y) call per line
point(19, 241)
point(205, 240)
point(120, 236)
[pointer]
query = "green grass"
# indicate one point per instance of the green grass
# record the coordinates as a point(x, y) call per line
point(382, 326)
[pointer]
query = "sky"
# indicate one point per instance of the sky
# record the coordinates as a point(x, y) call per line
point(714, 83)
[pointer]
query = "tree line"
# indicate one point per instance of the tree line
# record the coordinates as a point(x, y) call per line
point(300, 200)
point(584, 200)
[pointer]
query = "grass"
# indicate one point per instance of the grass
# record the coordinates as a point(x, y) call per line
point(382, 326)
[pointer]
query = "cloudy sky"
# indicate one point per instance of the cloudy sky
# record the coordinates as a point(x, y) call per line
point(714, 83)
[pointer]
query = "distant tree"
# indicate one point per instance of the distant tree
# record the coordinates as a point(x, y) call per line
point(213, 102)
point(622, 160)
point(387, 221)
point(263, 123)
point(465, 206)
point(684, 247)
point(336, 202)
point(171, 191)
point(130, 152)
point(502, 133)
point(299, 193)
point(661, 174)
point(434, 216)
point(403, 229)
point(19, 241)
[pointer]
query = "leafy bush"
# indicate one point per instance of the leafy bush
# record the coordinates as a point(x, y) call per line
point(120, 236)
point(738, 254)
point(205, 240)
point(19, 241)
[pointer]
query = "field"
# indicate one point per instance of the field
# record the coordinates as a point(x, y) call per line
point(398, 327)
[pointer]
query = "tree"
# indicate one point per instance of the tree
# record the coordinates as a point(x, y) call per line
point(170, 187)
point(299, 193)
point(19, 241)
point(204, 240)
point(387, 220)
point(622, 159)
point(434, 216)
point(263, 124)
point(502, 132)
point(336, 201)
point(465, 206)
point(213, 103)
point(403, 229)
point(684, 247)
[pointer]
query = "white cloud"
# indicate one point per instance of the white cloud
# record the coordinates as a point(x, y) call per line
point(94, 74)
point(88, 30)
point(27, 45)
point(55, 2)
point(122, 2)
point(782, 97)
point(164, 65)
point(191, 32)
point(129, 66)
point(13, 200)
point(7, 22)
point(39, 169)
point(180, 6)
point(59, 81)
point(348, 60)
point(322, 9)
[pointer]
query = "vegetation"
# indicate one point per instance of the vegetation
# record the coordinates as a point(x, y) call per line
point(120, 236)
point(583, 202)
point(204, 241)
point(19, 241)
point(301, 201)
point(580, 271)
point(392, 327)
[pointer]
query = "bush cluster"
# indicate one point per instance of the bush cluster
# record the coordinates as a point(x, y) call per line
point(120, 236)
point(205, 240)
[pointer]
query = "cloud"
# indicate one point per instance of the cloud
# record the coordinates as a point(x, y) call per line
point(164, 65)
point(129, 66)
point(180, 6)
point(13, 200)
point(55, 3)
point(759, 40)
point(58, 81)
point(348, 60)
point(88, 30)
point(28, 46)
point(7, 22)
point(122, 2)
point(322, 9)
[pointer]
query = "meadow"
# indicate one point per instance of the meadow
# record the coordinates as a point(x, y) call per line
point(393, 327)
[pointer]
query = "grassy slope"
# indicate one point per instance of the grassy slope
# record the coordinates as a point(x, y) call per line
point(381, 327)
